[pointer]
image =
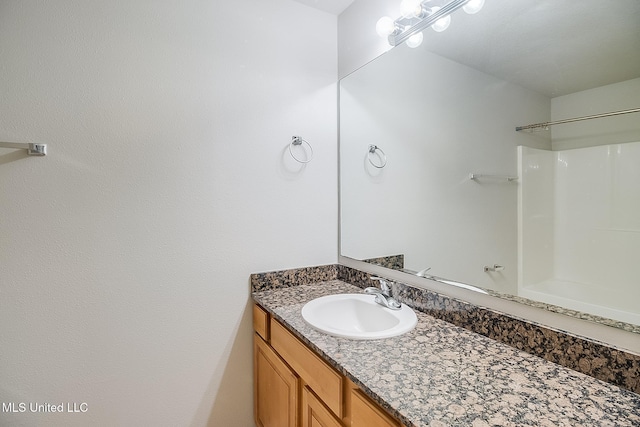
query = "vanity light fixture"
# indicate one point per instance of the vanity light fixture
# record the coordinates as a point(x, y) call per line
point(415, 40)
point(418, 15)
point(442, 23)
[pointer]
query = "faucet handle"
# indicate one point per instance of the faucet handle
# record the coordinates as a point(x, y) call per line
point(384, 284)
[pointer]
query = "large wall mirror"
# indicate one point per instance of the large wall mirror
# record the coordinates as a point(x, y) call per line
point(436, 181)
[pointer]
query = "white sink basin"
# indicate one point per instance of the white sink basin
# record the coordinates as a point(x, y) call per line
point(357, 316)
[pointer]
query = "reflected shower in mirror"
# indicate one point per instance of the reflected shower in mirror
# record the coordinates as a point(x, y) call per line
point(549, 215)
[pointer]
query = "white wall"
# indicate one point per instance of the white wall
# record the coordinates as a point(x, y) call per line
point(125, 253)
point(423, 203)
point(603, 99)
point(359, 42)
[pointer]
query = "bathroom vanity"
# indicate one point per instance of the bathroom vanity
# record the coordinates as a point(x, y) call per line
point(293, 383)
point(438, 374)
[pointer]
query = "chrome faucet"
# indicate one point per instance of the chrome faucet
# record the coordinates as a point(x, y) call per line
point(423, 273)
point(383, 294)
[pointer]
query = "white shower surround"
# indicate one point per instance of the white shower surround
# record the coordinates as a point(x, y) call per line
point(579, 232)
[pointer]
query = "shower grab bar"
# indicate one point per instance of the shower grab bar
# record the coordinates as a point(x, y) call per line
point(476, 176)
point(32, 149)
point(545, 125)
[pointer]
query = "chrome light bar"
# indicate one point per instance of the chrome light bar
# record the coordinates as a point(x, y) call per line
point(411, 26)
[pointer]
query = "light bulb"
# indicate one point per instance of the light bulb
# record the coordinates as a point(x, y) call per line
point(385, 26)
point(410, 8)
point(473, 6)
point(442, 23)
point(415, 40)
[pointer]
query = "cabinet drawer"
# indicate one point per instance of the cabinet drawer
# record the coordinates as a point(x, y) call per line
point(365, 413)
point(321, 378)
point(261, 322)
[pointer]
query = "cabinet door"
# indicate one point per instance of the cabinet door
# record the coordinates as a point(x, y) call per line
point(325, 381)
point(365, 413)
point(314, 413)
point(275, 389)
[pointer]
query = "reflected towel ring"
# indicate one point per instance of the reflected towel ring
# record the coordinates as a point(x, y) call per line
point(383, 157)
point(297, 140)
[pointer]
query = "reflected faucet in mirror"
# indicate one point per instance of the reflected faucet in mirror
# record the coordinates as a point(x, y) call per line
point(422, 273)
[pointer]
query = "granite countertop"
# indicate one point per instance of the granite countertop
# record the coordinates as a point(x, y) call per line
point(442, 375)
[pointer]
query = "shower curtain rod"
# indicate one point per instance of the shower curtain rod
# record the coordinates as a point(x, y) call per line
point(577, 119)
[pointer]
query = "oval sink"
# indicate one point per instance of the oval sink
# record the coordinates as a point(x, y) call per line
point(357, 316)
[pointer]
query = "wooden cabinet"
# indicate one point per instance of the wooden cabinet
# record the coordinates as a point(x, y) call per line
point(365, 413)
point(261, 322)
point(314, 413)
point(275, 388)
point(320, 377)
point(294, 387)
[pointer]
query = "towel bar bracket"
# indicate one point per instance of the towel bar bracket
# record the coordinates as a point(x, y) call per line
point(32, 149)
point(37, 150)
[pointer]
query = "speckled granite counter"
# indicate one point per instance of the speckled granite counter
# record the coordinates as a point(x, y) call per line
point(442, 375)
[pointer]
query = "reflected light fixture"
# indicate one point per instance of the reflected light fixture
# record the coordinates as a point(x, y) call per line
point(415, 40)
point(410, 8)
point(418, 15)
point(473, 6)
point(442, 23)
point(385, 26)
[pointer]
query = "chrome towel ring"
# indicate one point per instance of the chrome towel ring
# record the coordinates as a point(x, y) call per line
point(383, 157)
point(297, 140)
